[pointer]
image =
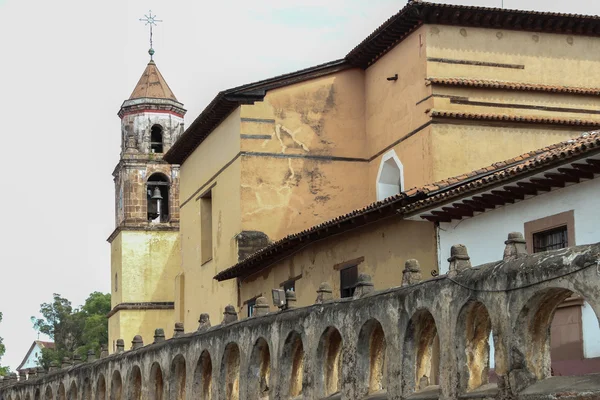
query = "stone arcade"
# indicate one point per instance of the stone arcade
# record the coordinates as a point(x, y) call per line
point(377, 344)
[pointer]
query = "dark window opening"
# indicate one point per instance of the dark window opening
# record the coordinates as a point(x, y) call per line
point(291, 285)
point(551, 239)
point(348, 279)
point(158, 198)
point(156, 139)
point(206, 244)
point(116, 282)
point(251, 304)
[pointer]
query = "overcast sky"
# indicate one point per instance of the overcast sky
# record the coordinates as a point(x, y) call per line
point(65, 68)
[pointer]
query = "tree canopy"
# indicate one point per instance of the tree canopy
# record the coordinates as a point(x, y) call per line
point(3, 370)
point(74, 330)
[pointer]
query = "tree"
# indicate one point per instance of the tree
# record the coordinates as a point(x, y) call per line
point(74, 331)
point(3, 370)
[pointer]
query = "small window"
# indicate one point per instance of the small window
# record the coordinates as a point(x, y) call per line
point(348, 279)
point(551, 239)
point(389, 178)
point(206, 247)
point(156, 139)
point(251, 304)
point(290, 285)
point(116, 282)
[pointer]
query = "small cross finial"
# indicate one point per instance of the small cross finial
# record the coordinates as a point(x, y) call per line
point(150, 20)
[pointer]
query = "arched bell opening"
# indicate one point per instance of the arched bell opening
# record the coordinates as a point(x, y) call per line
point(157, 197)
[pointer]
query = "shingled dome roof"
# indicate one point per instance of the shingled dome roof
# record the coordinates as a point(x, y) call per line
point(152, 85)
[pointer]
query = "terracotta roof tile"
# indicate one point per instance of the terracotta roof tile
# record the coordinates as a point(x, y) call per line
point(514, 118)
point(152, 85)
point(420, 197)
point(533, 87)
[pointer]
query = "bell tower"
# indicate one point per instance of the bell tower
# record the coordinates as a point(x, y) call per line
point(145, 245)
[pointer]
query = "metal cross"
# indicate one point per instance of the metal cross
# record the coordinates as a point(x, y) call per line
point(151, 20)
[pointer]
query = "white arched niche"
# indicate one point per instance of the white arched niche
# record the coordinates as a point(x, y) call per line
point(390, 176)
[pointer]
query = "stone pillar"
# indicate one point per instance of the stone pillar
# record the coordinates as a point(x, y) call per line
point(66, 363)
point(324, 293)
point(2, 382)
point(138, 342)
point(53, 366)
point(91, 356)
point(22, 375)
point(41, 371)
point(31, 374)
point(120, 345)
point(203, 322)
point(515, 246)
point(229, 315)
point(77, 359)
point(459, 260)
point(261, 307)
point(411, 273)
point(103, 351)
point(159, 335)
point(363, 287)
point(179, 330)
point(290, 299)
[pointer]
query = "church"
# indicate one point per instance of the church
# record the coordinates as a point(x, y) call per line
point(302, 178)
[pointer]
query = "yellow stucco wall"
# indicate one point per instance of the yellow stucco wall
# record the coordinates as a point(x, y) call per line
point(125, 324)
point(146, 264)
point(385, 247)
point(547, 58)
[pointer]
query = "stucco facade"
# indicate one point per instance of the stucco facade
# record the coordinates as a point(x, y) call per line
point(313, 145)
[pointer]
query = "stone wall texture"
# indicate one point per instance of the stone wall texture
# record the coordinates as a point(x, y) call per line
point(377, 345)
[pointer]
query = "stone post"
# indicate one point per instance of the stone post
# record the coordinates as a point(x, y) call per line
point(138, 342)
point(77, 359)
point(31, 374)
point(324, 293)
point(66, 363)
point(3, 381)
point(103, 351)
point(159, 335)
point(22, 375)
point(290, 299)
point(459, 260)
point(229, 315)
point(179, 330)
point(261, 307)
point(363, 287)
point(53, 366)
point(515, 246)
point(411, 273)
point(91, 356)
point(41, 371)
point(120, 345)
point(203, 322)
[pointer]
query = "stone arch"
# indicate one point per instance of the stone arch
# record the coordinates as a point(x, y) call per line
point(62, 393)
point(203, 377)
point(230, 371)
point(27, 396)
point(371, 350)
point(530, 349)
point(178, 378)
point(259, 370)
point(292, 362)
point(116, 386)
point(473, 330)
point(135, 384)
point(37, 394)
point(48, 395)
point(73, 391)
point(329, 362)
point(390, 176)
point(101, 388)
point(17, 397)
point(156, 386)
point(86, 393)
point(418, 365)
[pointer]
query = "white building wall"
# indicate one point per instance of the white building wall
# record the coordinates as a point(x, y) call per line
point(484, 235)
point(32, 359)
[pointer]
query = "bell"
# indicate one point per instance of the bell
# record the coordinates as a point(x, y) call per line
point(156, 195)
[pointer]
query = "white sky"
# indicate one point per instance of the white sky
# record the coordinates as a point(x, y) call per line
point(65, 68)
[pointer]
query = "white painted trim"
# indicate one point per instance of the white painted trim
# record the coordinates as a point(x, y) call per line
point(387, 156)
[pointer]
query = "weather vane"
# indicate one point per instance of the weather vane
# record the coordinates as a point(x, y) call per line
point(150, 20)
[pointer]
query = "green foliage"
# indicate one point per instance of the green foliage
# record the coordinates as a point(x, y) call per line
point(3, 370)
point(74, 331)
